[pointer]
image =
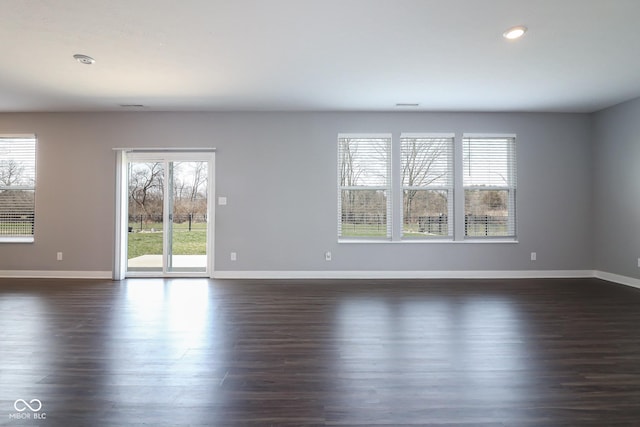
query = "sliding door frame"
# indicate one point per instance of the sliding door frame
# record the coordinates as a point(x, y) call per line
point(123, 158)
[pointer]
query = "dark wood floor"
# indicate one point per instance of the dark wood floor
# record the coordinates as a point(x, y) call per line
point(342, 353)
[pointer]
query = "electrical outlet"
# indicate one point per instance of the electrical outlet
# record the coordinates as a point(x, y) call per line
point(59, 256)
point(234, 256)
point(327, 256)
point(534, 256)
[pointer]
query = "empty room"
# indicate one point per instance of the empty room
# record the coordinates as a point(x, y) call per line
point(320, 213)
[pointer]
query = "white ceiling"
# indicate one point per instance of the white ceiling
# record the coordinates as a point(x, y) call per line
point(321, 55)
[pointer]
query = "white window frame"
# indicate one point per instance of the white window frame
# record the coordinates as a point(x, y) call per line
point(448, 187)
point(32, 173)
point(387, 187)
point(456, 201)
point(510, 187)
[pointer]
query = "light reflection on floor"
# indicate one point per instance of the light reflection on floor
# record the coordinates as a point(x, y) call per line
point(427, 341)
point(173, 323)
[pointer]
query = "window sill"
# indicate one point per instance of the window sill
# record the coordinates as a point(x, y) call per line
point(16, 240)
point(428, 241)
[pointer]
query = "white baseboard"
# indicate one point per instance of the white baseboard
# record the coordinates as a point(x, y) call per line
point(616, 278)
point(352, 274)
point(54, 274)
point(462, 274)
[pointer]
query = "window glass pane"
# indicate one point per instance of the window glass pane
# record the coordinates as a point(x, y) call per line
point(489, 178)
point(427, 181)
point(364, 161)
point(17, 187)
point(489, 162)
point(427, 161)
point(364, 174)
point(426, 214)
point(146, 216)
point(16, 213)
point(364, 213)
point(487, 213)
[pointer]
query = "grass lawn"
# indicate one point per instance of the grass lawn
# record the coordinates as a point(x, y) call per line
point(16, 228)
point(484, 230)
point(184, 243)
point(364, 230)
point(411, 230)
point(380, 230)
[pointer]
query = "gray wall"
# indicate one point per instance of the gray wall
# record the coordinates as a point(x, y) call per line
point(616, 186)
point(278, 171)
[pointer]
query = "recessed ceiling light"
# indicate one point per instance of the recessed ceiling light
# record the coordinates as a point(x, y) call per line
point(84, 59)
point(515, 32)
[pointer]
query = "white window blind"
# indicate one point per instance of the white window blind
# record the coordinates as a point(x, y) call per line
point(427, 186)
point(489, 186)
point(17, 187)
point(364, 186)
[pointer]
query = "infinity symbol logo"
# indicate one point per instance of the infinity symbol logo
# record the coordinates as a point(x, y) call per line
point(22, 405)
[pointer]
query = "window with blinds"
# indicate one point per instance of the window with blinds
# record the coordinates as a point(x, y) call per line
point(17, 187)
point(489, 168)
point(427, 186)
point(364, 186)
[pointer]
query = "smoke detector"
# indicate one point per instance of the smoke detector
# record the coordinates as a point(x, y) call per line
point(84, 59)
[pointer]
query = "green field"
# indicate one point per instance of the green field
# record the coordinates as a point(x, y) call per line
point(380, 230)
point(478, 230)
point(411, 230)
point(16, 228)
point(364, 230)
point(185, 242)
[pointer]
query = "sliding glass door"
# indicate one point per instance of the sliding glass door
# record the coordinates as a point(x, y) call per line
point(168, 214)
point(146, 217)
point(187, 225)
